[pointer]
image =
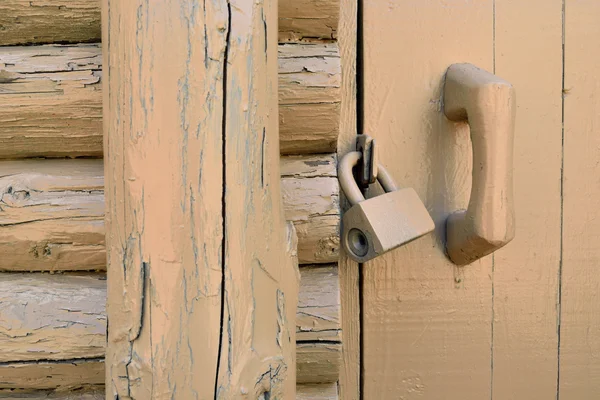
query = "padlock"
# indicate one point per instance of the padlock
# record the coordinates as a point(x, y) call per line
point(375, 226)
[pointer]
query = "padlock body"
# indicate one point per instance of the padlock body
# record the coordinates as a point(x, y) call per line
point(380, 224)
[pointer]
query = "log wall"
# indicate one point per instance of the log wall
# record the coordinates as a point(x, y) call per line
point(52, 211)
point(29, 22)
point(53, 329)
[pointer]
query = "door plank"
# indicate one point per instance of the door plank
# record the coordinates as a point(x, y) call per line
point(426, 323)
point(526, 271)
point(349, 383)
point(580, 295)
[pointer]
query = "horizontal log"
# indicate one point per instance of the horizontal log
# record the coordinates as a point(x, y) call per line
point(77, 394)
point(309, 98)
point(52, 317)
point(50, 375)
point(49, 21)
point(310, 192)
point(51, 100)
point(302, 19)
point(52, 212)
point(324, 391)
point(53, 328)
point(73, 21)
point(319, 307)
point(52, 215)
point(318, 362)
point(318, 391)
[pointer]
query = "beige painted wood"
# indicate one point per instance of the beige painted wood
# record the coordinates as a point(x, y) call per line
point(426, 323)
point(308, 19)
point(309, 97)
point(62, 318)
point(318, 362)
point(580, 309)
point(318, 315)
point(318, 365)
point(50, 375)
point(93, 393)
point(320, 391)
point(488, 104)
point(327, 391)
point(51, 100)
point(48, 21)
point(349, 381)
point(202, 267)
point(526, 271)
point(52, 317)
point(52, 215)
point(310, 193)
point(52, 212)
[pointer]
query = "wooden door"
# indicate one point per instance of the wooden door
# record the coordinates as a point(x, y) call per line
point(522, 323)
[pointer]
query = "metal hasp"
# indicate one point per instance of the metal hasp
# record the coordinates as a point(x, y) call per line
point(375, 226)
point(367, 165)
point(488, 104)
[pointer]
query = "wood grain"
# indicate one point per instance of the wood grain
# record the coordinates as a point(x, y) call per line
point(319, 391)
point(51, 317)
point(49, 21)
point(51, 100)
point(58, 317)
point(52, 215)
point(51, 212)
point(318, 362)
point(349, 383)
point(579, 355)
point(308, 19)
point(526, 272)
point(62, 318)
point(426, 323)
point(310, 193)
point(86, 393)
point(202, 265)
point(65, 375)
point(327, 391)
point(318, 315)
point(309, 98)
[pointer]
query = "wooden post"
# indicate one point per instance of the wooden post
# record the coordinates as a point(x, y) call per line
point(202, 276)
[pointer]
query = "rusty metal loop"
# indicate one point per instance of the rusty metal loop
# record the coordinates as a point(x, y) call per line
point(349, 185)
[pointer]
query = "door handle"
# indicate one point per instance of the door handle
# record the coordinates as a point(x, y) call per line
point(488, 104)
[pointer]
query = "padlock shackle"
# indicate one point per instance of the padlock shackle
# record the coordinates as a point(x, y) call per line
point(349, 185)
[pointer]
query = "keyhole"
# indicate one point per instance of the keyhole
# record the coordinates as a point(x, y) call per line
point(358, 242)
